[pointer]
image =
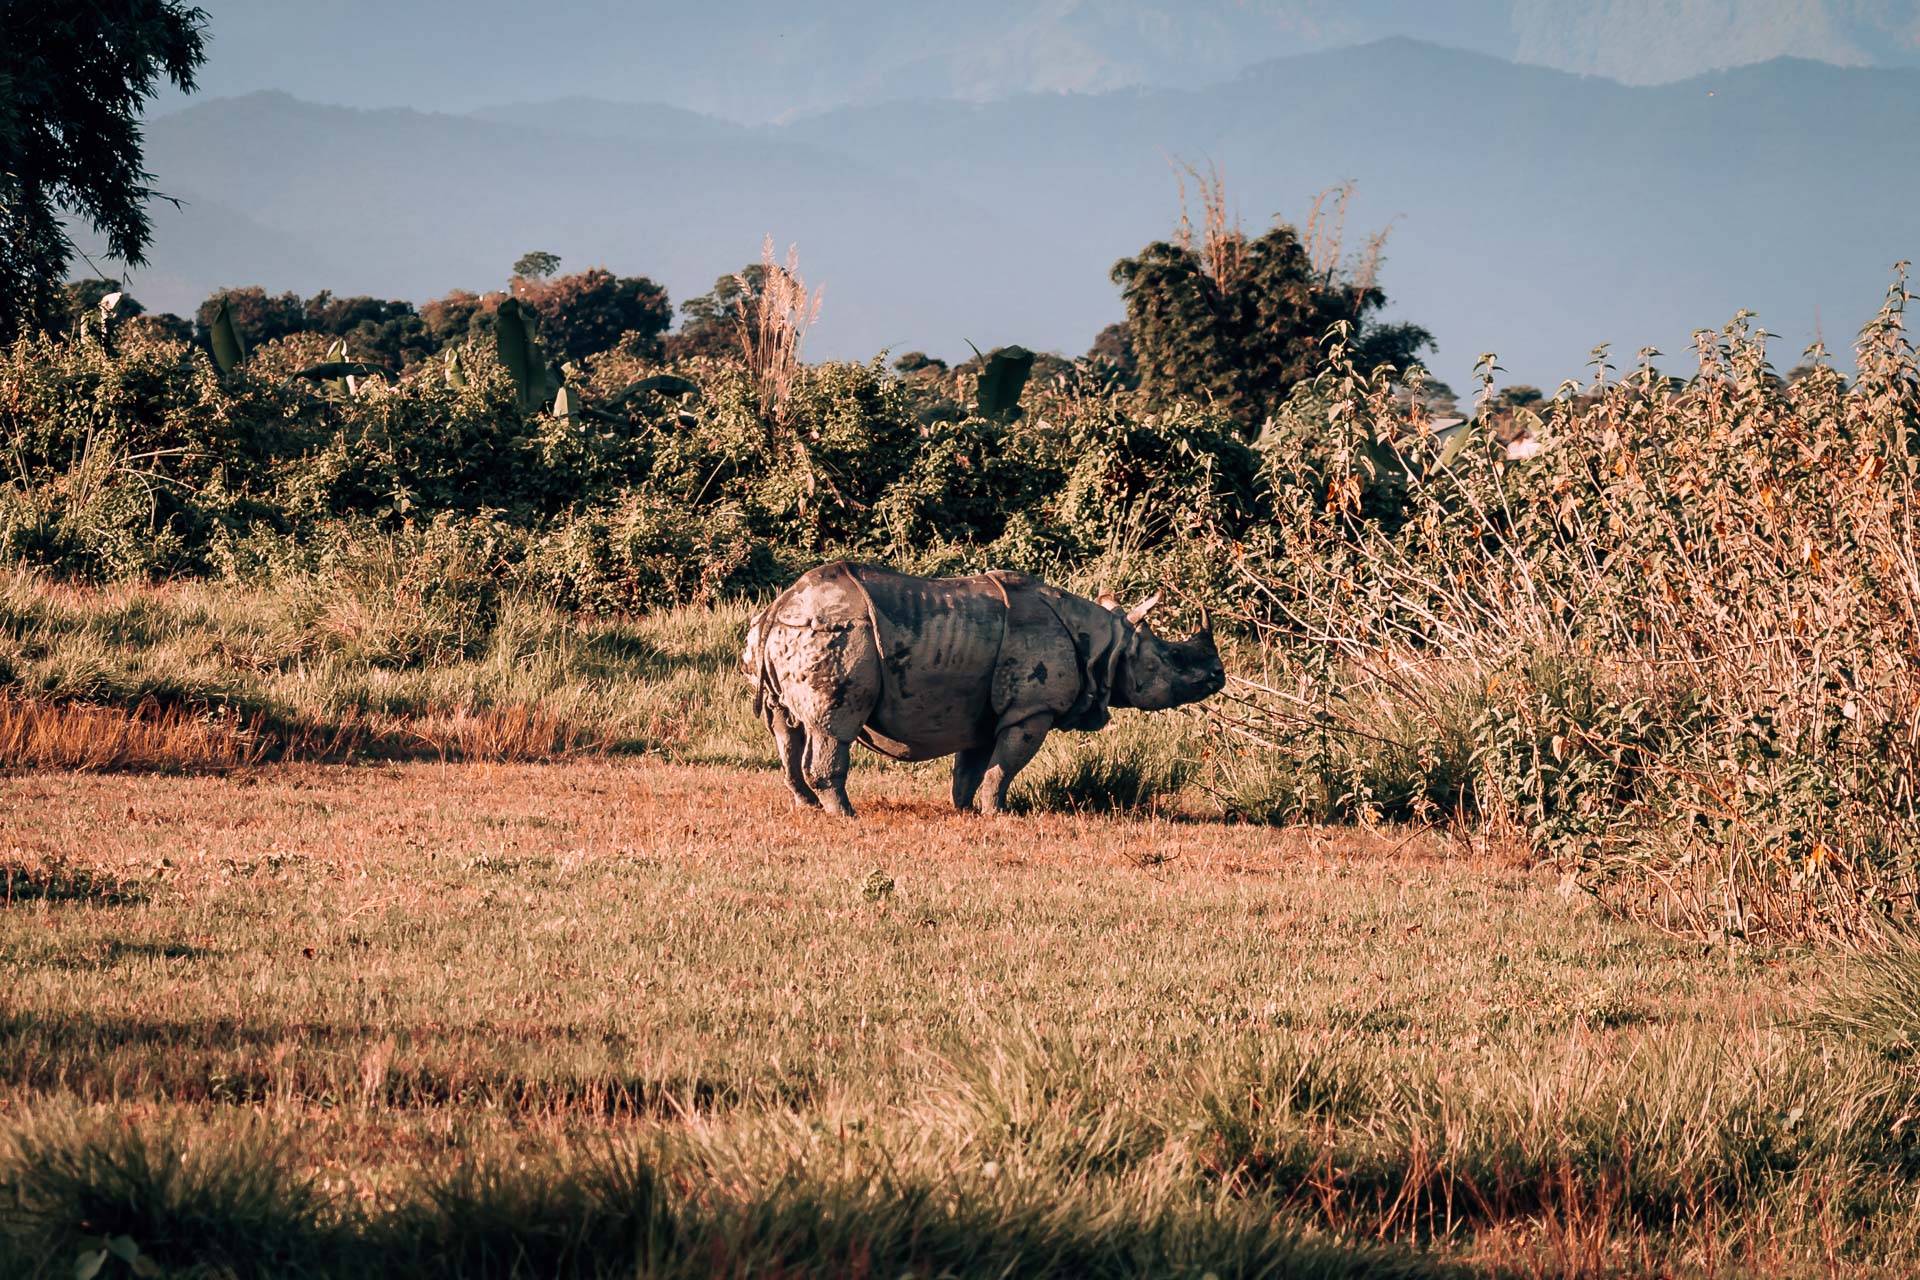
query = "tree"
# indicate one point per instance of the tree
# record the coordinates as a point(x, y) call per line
point(391, 333)
point(709, 324)
point(1111, 356)
point(594, 311)
point(537, 265)
point(458, 316)
point(919, 368)
point(74, 79)
point(160, 326)
point(1239, 321)
point(915, 361)
point(258, 315)
point(1398, 344)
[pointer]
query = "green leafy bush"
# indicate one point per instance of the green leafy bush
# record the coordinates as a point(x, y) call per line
point(643, 551)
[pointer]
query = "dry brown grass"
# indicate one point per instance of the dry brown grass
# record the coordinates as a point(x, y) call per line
point(51, 735)
point(1387, 1037)
point(772, 327)
point(37, 734)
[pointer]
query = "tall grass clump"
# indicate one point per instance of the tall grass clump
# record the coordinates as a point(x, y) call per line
point(1878, 1004)
point(1666, 636)
point(771, 323)
point(1137, 765)
point(80, 1198)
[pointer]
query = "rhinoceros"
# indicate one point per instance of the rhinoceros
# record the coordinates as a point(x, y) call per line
point(981, 668)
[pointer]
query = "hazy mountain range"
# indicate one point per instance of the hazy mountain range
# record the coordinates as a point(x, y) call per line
point(1535, 212)
point(764, 60)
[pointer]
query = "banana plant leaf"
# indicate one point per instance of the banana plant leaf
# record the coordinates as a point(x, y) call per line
point(228, 349)
point(666, 384)
point(337, 371)
point(1453, 441)
point(1002, 381)
point(510, 340)
point(534, 380)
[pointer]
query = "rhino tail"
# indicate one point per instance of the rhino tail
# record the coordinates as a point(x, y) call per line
point(766, 690)
point(766, 685)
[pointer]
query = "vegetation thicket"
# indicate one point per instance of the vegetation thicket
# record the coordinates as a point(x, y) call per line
point(1656, 634)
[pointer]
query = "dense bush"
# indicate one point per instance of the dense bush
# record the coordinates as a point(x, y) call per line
point(1672, 649)
point(146, 462)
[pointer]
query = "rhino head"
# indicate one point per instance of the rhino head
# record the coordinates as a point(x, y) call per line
point(1155, 674)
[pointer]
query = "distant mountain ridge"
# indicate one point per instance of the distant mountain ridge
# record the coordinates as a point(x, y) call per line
point(759, 61)
point(1534, 213)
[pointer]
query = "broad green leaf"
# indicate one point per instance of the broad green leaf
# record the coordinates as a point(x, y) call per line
point(1002, 381)
point(513, 344)
point(228, 349)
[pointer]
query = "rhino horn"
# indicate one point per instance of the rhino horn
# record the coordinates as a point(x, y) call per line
point(1138, 614)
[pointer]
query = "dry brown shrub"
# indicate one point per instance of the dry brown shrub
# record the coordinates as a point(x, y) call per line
point(52, 735)
point(1672, 647)
point(505, 734)
point(772, 327)
point(37, 734)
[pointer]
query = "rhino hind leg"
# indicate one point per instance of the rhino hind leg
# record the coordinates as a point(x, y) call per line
point(969, 767)
point(826, 770)
point(791, 739)
point(1012, 751)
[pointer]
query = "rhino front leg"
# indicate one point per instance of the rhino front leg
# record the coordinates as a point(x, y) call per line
point(791, 739)
point(827, 771)
point(1011, 753)
point(968, 768)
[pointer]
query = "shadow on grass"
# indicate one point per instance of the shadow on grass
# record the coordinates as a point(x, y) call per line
point(223, 1062)
point(58, 881)
point(227, 1204)
point(105, 953)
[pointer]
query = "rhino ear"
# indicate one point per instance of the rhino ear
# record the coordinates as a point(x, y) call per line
point(1108, 601)
point(1138, 614)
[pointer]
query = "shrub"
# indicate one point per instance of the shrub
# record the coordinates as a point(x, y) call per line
point(1139, 764)
point(644, 552)
point(1683, 611)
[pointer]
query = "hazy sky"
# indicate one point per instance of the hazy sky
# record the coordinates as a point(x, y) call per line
point(454, 55)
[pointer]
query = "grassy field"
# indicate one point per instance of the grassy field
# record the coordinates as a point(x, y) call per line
point(619, 1017)
point(352, 668)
